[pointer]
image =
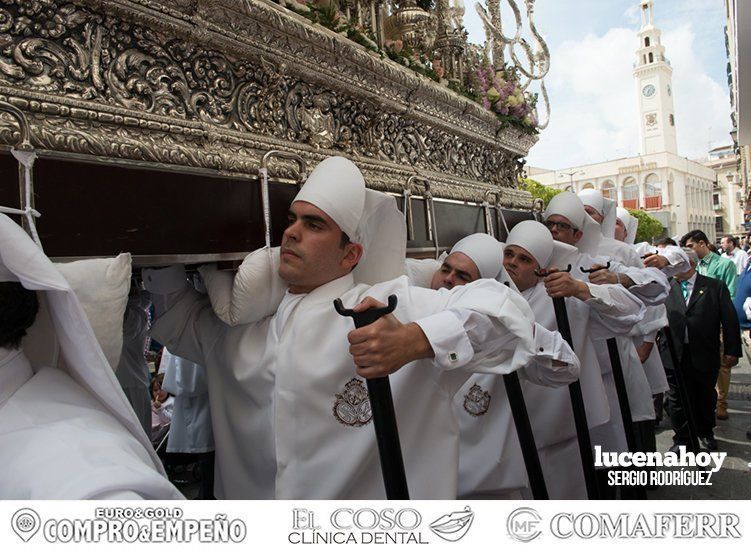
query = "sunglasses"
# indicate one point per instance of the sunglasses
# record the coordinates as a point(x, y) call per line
point(560, 225)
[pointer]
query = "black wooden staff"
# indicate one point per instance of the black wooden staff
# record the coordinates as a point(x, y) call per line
point(623, 404)
point(526, 437)
point(682, 391)
point(382, 407)
point(577, 402)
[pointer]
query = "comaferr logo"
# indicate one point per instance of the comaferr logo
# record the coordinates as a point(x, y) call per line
point(654, 526)
point(524, 524)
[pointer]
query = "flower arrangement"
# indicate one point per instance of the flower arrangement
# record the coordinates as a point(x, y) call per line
point(499, 91)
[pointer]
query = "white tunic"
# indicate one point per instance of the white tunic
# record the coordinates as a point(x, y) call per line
point(611, 435)
point(58, 442)
point(190, 427)
point(612, 310)
point(290, 416)
point(490, 458)
point(652, 288)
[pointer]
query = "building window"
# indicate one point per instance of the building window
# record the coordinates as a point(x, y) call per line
point(630, 193)
point(672, 120)
point(608, 190)
point(715, 199)
point(718, 226)
point(651, 57)
point(646, 42)
point(652, 192)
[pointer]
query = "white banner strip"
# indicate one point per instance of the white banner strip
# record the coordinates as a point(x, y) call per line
point(272, 524)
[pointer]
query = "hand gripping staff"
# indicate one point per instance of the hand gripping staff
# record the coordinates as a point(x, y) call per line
point(577, 401)
point(382, 407)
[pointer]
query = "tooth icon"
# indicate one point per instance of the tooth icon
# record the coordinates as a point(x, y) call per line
point(453, 526)
point(25, 523)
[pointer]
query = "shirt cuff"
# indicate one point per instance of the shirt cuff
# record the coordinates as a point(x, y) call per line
point(448, 338)
point(545, 343)
point(599, 293)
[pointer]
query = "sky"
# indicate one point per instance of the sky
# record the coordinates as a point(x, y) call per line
point(591, 87)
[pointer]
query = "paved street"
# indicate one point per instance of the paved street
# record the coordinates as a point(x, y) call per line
point(733, 481)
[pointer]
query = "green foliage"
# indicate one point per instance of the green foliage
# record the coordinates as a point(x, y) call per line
point(538, 190)
point(649, 227)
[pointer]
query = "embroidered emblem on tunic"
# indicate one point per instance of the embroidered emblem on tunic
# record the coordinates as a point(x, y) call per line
point(352, 406)
point(476, 401)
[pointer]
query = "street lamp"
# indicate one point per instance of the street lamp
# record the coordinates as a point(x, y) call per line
point(571, 175)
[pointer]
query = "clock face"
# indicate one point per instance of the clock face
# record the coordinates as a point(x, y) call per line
point(648, 90)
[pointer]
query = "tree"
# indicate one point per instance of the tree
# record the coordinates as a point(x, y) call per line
point(649, 227)
point(538, 190)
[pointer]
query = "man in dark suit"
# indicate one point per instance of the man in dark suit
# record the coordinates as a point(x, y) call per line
point(698, 307)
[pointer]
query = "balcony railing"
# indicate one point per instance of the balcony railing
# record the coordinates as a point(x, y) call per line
point(653, 202)
point(716, 207)
point(631, 203)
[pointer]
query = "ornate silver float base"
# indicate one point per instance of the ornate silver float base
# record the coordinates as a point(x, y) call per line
point(214, 84)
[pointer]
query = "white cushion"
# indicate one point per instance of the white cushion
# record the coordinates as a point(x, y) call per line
point(102, 286)
point(420, 271)
point(253, 293)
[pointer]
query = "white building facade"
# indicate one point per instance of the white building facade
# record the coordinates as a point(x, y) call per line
point(728, 196)
point(674, 190)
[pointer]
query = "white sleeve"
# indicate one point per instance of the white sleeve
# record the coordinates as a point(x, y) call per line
point(612, 310)
point(747, 308)
point(185, 322)
point(655, 318)
point(551, 346)
point(483, 326)
point(651, 286)
point(677, 259)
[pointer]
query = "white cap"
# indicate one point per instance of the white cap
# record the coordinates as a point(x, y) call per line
point(568, 205)
point(604, 206)
point(536, 239)
point(631, 224)
point(368, 217)
point(337, 187)
point(485, 251)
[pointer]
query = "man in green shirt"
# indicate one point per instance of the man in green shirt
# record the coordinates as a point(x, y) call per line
point(714, 266)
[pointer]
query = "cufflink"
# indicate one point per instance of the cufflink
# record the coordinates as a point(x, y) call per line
point(453, 357)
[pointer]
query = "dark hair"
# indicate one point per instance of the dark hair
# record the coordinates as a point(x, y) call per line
point(19, 308)
point(732, 239)
point(666, 242)
point(344, 240)
point(695, 235)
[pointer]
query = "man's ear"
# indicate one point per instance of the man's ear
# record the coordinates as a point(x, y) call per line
point(352, 255)
point(578, 234)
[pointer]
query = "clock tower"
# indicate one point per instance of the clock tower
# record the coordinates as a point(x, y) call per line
point(653, 75)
